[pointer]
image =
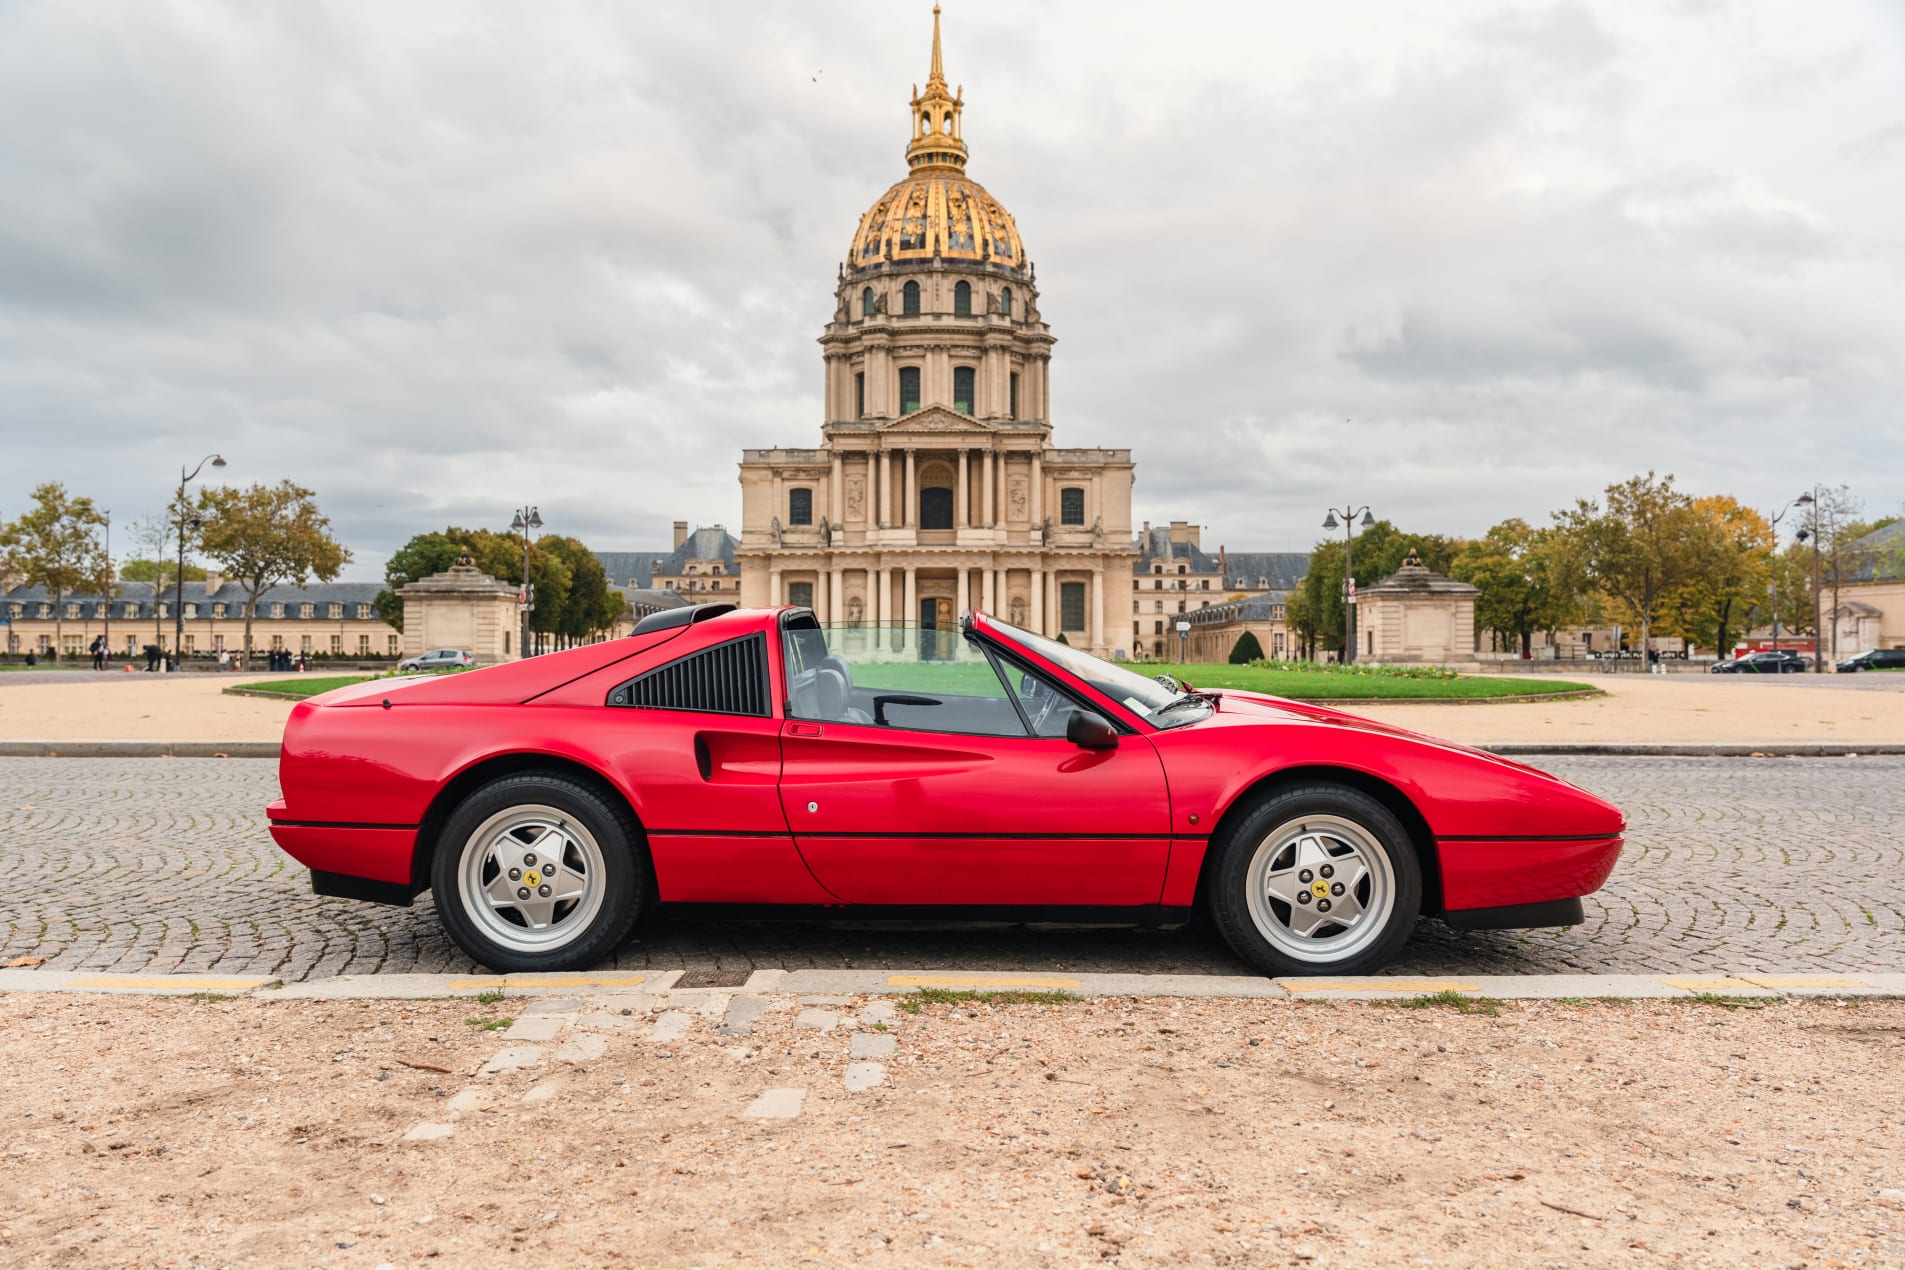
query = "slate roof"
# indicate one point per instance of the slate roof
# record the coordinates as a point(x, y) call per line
point(1257, 570)
point(1284, 569)
point(638, 568)
point(1251, 608)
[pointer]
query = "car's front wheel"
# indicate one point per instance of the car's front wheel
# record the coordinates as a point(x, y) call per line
point(539, 872)
point(1320, 879)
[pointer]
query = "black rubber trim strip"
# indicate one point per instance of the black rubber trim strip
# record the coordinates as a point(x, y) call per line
point(1518, 916)
point(345, 887)
point(333, 824)
point(1009, 914)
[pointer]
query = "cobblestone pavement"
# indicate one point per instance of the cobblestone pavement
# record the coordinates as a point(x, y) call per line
point(164, 865)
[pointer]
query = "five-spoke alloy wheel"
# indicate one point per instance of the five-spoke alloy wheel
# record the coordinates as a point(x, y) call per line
point(537, 871)
point(1317, 879)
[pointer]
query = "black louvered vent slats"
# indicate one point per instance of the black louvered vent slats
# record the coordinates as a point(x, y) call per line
point(729, 678)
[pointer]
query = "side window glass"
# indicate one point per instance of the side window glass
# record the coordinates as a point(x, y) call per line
point(1047, 707)
point(919, 679)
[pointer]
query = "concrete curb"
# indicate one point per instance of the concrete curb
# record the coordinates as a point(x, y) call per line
point(1516, 749)
point(848, 983)
point(138, 749)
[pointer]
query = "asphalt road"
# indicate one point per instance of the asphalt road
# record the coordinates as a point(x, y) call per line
point(164, 865)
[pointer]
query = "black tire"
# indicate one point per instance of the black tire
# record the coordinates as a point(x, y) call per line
point(623, 871)
point(1340, 809)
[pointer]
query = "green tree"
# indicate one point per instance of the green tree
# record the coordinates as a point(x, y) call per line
point(56, 544)
point(269, 535)
point(590, 604)
point(1522, 577)
point(1246, 650)
point(421, 557)
point(1730, 579)
point(1638, 550)
point(500, 555)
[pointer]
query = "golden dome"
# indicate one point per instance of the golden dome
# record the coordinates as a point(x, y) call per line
point(937, 210)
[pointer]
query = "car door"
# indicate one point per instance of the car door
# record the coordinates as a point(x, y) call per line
point(917, 781)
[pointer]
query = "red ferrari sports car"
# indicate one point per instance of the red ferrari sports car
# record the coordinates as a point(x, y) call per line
point(753, 757)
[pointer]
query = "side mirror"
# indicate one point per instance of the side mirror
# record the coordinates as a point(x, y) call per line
point(1091, 731)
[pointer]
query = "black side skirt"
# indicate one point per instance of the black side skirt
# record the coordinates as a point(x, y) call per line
point(345, 887)
point(1518, 916)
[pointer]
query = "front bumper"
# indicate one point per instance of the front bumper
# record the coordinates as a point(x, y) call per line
point(1494, 873)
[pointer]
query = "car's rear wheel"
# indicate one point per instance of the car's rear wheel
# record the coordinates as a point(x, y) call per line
point(539, 872)
point(1320, 879)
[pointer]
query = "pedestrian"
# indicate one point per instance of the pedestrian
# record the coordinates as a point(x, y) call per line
point(1653, 661)
point(99, 652)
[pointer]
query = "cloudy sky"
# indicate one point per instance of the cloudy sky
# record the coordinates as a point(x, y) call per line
point(437, 260)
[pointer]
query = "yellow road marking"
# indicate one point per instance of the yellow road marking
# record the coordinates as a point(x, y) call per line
point(1376, 985)
point(1806, 981)
point(550, 981)
point(171, 983)
point(980, 981)
point(1708, 985)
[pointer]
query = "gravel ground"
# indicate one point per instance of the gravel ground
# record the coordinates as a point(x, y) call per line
point(219, 1132)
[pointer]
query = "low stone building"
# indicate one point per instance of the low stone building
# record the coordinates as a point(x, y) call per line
point(1416, 615)
point(465, 608)
point(331, 619)
point(1216, 629)
point(1174, 577)
point(1871, 608)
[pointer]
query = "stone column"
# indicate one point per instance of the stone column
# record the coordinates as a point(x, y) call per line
point(774, 587)
point(985, 494)
point(962, 596)
point(1038, 492)
point(986, 592)
point(909, 514)
point(878, 465)
point(881, 582)
point(911, 616)
point(1097, 614)
point(837, 492)
point(836, 596)
point(962, 494)
point(1035, 610)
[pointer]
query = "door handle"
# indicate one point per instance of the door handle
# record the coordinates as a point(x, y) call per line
point(805, 729)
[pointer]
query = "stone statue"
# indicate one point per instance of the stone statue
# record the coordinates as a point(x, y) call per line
point(856, 498)
point(1098, 530)
point(826, 533)
point(774, 530)
point(1046, 533)
point(1017, 497)
point(879, 302)
point(1018, 610)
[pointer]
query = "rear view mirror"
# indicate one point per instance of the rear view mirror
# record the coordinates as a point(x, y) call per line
point(1091, 731)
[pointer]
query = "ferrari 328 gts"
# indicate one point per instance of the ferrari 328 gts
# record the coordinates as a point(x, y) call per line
point(753, 757)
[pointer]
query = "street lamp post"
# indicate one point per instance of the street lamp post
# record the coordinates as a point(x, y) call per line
point(106, 635)
point(178, 582)
point(527, 518)
point(1183, 634)
point(1818, 636)
point(1349, 572)
point(1804, 500)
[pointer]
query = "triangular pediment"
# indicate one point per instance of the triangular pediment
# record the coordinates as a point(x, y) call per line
point(937, 419)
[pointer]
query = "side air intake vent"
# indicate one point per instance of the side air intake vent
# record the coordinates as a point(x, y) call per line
point(729, 678)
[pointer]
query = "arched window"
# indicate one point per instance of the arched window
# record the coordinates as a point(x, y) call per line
point(962, 299)
point(936, 508)
point(909, 299)
point(866, 302)
point(1014, 410)
point(963, 377)
point(800, 507)
point(1005, 301)
point(1071, 506)
point(860, 395)
point(909, 387)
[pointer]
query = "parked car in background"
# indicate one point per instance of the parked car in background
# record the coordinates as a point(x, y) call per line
point(438, 659)
point(1877, 659)
point(1767, 661)
point(733, 756)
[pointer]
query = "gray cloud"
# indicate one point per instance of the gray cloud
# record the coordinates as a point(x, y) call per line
point(438, 259)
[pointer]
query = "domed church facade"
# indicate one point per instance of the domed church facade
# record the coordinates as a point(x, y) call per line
point(937, 487)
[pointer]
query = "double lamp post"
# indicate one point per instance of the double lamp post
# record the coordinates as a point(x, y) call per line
point(1349, 524)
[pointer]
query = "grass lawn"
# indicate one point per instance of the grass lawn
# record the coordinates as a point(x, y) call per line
point(300, 688)
point(1337, 684)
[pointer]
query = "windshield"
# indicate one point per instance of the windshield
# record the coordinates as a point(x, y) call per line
point(1143, 696)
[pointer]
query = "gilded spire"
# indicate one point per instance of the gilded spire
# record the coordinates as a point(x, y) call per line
point(938, 75)
point(936, 139)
